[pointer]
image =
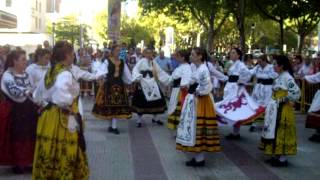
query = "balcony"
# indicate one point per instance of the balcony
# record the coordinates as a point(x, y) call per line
point(7, 20)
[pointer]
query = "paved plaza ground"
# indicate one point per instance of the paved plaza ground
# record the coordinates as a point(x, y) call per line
point(149, 153)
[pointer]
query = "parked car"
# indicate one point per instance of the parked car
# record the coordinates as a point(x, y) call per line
point(256, 53)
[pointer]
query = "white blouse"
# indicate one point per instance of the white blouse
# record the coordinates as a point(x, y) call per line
point(16, 86)
point(238, 68)
point(126, 75)
point(214, 73)
point(286, 82)
point(65, 89)
point(147, 65)
point(264, 73)
point(202, 76)
point(36, 73)
point(315, 78)
point(184, 72)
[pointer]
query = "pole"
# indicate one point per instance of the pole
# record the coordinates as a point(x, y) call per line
point(81, 35)
point(53, 32)
point(53, 23)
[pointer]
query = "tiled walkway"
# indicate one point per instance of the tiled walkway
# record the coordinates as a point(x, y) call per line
point(149, 153)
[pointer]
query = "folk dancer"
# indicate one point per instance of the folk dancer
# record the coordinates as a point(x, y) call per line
point(237, 107)
point(313, 117)
point(148, 98)
point(180, 78)
point(60, 148)
point(279, 132)
point(112, 98)
point(38, 69)
point(197, 130)
point(262, 91)
point(18, 115)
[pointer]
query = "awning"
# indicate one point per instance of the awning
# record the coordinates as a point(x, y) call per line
point(7, 20)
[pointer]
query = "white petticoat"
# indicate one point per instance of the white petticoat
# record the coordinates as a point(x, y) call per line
point(315, 105)
point(238, 109)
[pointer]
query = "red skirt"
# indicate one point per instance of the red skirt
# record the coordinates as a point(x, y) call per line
point(313, 120)
point(5, 145)
point(18, 123)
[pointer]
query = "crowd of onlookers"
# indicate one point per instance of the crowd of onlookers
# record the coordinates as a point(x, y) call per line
point(85, 56)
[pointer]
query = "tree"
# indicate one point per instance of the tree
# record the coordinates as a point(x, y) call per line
point(304, 18)
point(276, 10)
point(237, 8)
point(210, 14)
point(68, 28)
point(132, 32)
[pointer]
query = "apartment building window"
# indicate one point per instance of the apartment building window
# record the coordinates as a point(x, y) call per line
point(36, 5)
point(39, 23)
point(8, 3)
point(40, 7)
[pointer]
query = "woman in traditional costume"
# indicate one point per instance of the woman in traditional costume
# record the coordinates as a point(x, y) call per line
point(19, 116)
point(95, 66)
point(279, 132)
point(38, 69)
point(237, 107)
point(180, 79)
point(148, 98)
point(112, 99)
point(60, 147)
point(197, 132)
point(262, 91)
point(313, 117)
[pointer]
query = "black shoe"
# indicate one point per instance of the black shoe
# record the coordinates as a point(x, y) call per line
point(154, 121)
point(271, 160)
point(315, 138)
point(160, 123)
point(252, 129)
point(278, 163)
point(110, 129)
point(116, 131)
point(139, 125)
point(233, 137)
point(194, 163)
point(17, 170)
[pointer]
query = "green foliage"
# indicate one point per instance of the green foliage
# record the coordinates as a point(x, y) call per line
point(68, 28)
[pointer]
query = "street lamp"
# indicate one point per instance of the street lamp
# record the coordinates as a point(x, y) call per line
point(54, 21)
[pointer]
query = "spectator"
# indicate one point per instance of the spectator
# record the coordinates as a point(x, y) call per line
point(306, 69)
point(46, 45)
point(123, 52)
point(164, 62)
point(248, 60)
point(297, 63)
point(174, 62)
point(138, 54)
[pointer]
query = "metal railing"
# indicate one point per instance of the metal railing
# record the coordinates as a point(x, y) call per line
point(307, 93)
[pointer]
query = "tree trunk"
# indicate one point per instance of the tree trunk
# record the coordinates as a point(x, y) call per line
point(301, 43)
point(210, 34)
point(241, 20)
point(281, 34)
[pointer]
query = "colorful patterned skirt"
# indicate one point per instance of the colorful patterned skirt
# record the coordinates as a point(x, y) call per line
point(285, 141)
point(18, 133)
point(140, 105)
point(112, 101)
point(174, 118)
point(58, 154)
point(207, 137)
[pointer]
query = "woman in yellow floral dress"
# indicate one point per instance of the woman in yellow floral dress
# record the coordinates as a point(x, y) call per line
point(279, 133)
point(60, 145)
